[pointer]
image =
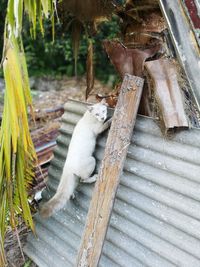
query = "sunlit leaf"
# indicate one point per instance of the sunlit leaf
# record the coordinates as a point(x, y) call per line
point(45, 5)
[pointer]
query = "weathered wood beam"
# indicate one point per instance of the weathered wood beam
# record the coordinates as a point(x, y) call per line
point(109, 175)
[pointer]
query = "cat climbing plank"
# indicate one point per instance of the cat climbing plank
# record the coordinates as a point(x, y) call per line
point(109, 175)
point(79, 162)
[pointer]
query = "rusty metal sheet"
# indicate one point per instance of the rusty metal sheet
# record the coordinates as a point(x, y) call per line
point(192, 8)
point(127, 60)
point(44, 140)
point(163, 77)
point(184, 42)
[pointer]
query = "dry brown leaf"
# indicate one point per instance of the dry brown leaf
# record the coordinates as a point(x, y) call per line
point(88, 10)
point(76, 35)
point(90, 70)
point(111, 100)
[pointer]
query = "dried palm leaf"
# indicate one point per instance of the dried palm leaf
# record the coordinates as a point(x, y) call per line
point(88, 10)
point(76, 36)
point(90, 69)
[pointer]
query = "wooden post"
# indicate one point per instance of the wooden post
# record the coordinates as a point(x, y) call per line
point(109, 175)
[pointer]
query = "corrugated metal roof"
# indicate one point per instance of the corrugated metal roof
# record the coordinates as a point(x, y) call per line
point(156, 217)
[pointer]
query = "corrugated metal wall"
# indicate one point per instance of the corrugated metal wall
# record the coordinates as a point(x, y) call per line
point(156, 217)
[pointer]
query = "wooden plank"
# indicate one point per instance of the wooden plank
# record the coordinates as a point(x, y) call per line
point(109, 175)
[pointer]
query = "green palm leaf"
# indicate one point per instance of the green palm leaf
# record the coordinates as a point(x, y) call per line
point(17, 153)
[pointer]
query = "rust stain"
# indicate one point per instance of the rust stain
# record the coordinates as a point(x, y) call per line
point(193, 13)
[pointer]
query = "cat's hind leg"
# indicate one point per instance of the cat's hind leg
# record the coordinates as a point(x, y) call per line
point(87, 168)
point(90, 180)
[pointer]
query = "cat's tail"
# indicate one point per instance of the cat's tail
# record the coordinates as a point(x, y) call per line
point(65, 190)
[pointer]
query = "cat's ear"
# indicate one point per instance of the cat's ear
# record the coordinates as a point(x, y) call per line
point(103, 101)
point(90, 108)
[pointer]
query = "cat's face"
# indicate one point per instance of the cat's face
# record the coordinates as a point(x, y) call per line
point(99, 111)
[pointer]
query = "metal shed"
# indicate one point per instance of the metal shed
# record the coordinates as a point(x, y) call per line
point(156, 216)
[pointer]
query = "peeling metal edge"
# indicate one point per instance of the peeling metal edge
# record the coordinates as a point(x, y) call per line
point(186, 50)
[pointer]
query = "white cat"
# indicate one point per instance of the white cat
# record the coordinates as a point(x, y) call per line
point(80, 162)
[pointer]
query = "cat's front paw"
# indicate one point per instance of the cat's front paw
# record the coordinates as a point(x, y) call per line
point(108, 122)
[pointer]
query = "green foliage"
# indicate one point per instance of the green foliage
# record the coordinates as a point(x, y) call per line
point(2, 19)
point(108, 30)
point(45, 57)
point(28, 263)
point(17, 152)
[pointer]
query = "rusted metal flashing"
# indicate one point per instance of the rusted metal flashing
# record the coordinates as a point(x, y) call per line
point(192, 8)
point(127, 60)
point(184, 42)
point(44, 140)
point(163, 81)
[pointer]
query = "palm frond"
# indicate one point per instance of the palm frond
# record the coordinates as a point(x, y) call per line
point(90, 69)
point(17, 153)
point(76, 36)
